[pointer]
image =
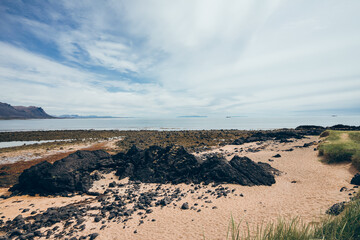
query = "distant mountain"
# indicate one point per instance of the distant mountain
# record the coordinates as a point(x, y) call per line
point(20, 112)
point(78, 116)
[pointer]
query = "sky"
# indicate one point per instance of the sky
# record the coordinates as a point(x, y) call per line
point(172, 58)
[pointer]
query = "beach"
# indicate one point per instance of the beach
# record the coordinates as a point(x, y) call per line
point(305, 188)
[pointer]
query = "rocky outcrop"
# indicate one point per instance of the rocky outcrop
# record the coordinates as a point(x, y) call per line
point(316, 130)
point(156, 164)
point(71, 174)
point(172, 164)
point(282, 136)
point(356, 179)
point(310, 130)
point(175, 165)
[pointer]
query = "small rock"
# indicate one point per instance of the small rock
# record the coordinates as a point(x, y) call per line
point(185, 206)
point(336, 209)
point(93, 236)
point(343, 189)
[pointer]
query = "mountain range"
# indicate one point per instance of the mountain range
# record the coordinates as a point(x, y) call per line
point(20, 112)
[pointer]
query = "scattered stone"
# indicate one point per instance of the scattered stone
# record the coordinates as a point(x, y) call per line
point(185, 206)
point(336, 209)
point(356, 179)
point(343, 189)
point(93, 236)
point(97, 218)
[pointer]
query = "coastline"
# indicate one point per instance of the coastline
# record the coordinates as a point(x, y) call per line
point(305, 188)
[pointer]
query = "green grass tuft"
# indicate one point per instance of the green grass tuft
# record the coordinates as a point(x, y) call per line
point(341, 146)
point(346, 226)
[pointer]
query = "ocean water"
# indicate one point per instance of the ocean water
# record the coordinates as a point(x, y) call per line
point(21, 143)
point(242, 123)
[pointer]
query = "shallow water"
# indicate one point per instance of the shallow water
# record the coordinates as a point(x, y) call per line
point(21, 143)
point(244, 123)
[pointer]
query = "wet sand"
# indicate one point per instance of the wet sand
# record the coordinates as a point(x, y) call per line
point(306, 188)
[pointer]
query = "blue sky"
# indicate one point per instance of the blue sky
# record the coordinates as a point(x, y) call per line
point(173, 58)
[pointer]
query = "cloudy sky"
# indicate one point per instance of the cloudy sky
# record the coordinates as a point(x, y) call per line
point(171, 58)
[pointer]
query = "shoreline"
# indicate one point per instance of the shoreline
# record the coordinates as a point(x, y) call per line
point(305, 188)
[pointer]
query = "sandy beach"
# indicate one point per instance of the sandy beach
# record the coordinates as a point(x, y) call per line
point(305, 188)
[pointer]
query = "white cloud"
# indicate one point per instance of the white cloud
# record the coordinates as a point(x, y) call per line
point(192, 57)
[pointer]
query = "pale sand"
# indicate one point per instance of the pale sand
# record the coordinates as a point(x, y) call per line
point(317, 187)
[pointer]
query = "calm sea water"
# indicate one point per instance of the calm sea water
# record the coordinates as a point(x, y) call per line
point(20, 143)
point(243, 123)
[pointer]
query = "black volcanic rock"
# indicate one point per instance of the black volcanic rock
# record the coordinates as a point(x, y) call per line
point(175, 165)
point(71, 174)
point(20, 112)
point(282, 136)
point(251, 173)
point(311, 130)
point(155, 164)
point(317, 130)
point(344, 127)
point(356, 179)
point(336, 209)
point(218, 169)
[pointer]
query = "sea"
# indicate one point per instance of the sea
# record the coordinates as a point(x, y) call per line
point(164, 124)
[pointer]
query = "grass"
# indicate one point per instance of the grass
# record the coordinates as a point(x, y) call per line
point(346, 226)
point(341, 146)
point(338, 146)
point(291, 230)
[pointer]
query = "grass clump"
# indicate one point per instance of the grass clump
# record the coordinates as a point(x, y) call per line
point(341, 146)
point(346, 226)
point(355, 159)
point(291, 230)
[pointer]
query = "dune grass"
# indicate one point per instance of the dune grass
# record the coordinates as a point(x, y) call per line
point(338, 146)
point(346, 226)
point(341, 146)
point(291, 230)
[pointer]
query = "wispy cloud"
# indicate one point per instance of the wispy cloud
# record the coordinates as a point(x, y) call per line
point(156, 58)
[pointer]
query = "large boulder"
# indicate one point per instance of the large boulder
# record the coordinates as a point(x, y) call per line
point(156, 164)
point(175, 165)
point(356, 179)
point(217, 169)
point(71, 174)
point(251, 173)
